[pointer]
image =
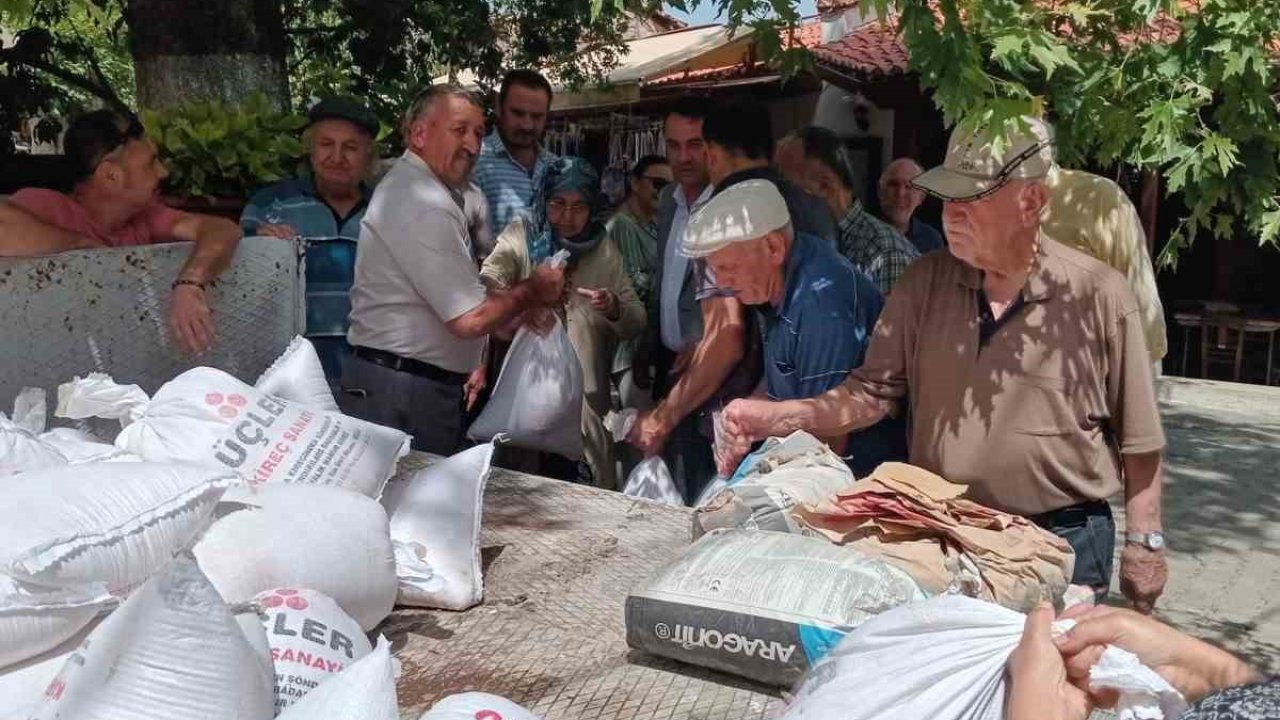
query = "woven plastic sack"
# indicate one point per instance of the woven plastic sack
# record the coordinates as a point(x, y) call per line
point(762, 605)
point(944, 659)
point(23, 684)
point(172, 651)
point(209, 417)
point(364, 691)
point(21, 448)
point(477, 706)
point(435, 530)
point(327, 539)
point(297, 376)
point(771, 482)
point(34, 620)
point(311, 640)
point(537, 401)
point(104, 523)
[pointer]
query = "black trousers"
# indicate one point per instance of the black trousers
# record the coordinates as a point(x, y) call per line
point(429, 410)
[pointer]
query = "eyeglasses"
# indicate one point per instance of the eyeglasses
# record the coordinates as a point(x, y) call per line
point(657, 182)
point(556, 206)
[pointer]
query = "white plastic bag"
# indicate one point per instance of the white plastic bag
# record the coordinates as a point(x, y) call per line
point(327, 539)
point(942, 659)
point(209, 417)
point(364, 691)
point(21, 448)
point(311, 640)
point(33, 620)
point(298, 376)
point(477, 706)
point(435, 529)
point(651, 480)
point(537, 401)
point(173, 650)
point(109, 523)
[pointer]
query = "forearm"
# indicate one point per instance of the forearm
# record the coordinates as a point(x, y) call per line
point(499, 308)
point(24, 235)
point(215, 244)
point(1142, 490)
point(834, 414)
point(715, 357)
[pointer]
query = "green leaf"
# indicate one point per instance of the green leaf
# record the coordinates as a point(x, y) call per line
point(1006, 45)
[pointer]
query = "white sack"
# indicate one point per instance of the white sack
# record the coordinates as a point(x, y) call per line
point(328, 539)
point(21, 448)
point(435, 529)
point(311, 640)
point(942, 659)
point(298, 376)
point(80, 447)
point(109, 523)
point(22, 685)
point(172, 651)
point(364, 691)
point(477, 706)
point(34, 620)
point(209, 417)
point(537, 401)
point(651, 480)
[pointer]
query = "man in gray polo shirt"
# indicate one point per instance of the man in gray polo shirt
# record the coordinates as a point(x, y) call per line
point(419, 313)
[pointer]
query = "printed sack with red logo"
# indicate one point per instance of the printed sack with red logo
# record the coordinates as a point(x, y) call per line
point(364, 691)
point(23, 684)
point(477, 706)
point(330, 540)
point(207, 416)
point(311, 640)
point(173, 650)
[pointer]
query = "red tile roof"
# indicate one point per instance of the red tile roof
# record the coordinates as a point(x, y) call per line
point(872, 50)
point(808, 34)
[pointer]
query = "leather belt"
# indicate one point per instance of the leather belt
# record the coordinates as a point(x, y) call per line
point(393, 361)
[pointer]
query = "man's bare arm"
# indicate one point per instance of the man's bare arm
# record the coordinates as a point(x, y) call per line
point(24, 235)
point(215, 239)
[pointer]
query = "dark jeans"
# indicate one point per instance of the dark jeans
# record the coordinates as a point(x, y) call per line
point(429, 410)
point(1091, 531)
point(690, 458)
point(331, 351)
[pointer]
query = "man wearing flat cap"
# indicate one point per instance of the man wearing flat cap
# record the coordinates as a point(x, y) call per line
point(325, 206)
point(1022, 365)
point(816, 310)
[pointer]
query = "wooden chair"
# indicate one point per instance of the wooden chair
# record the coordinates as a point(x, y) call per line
point(1222, 342)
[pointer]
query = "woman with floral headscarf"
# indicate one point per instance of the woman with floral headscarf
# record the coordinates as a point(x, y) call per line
point(601, 308)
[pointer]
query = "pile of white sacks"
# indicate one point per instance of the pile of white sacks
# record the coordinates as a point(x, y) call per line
point(225, 556)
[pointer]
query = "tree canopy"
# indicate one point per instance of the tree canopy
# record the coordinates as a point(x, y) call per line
point(1187, 88)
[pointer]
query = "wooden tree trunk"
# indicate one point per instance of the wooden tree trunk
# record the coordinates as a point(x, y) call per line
point(208, 50)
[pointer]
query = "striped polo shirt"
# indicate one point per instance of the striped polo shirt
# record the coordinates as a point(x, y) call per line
point(508, 186)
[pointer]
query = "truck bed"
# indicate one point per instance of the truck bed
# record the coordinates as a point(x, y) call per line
point(558, 561)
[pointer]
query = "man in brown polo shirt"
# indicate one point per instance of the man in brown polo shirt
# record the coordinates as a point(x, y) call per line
point(1022, 365)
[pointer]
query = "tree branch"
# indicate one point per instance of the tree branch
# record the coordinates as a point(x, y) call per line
point(320, 29)
point(101, 91)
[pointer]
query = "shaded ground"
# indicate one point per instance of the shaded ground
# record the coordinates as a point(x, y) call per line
point(1222, 515)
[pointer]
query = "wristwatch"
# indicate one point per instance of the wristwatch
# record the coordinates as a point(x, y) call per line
point(1150, 541)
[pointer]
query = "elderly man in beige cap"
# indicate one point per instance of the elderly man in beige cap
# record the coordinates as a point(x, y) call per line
point(816, 309)
point(1024, 363)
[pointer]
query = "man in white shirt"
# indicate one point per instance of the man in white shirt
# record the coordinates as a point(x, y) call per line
point(419, 313)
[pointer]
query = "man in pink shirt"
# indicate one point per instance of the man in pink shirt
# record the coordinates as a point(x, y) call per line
point(116, 202)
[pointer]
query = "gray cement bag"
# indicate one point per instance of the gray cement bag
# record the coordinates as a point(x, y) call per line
point(762, 605)
point(770, 482)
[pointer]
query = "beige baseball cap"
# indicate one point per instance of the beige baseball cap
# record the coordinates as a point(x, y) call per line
point(973, 169)
point(748, 210)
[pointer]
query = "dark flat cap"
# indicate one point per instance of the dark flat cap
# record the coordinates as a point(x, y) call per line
point(341, 108)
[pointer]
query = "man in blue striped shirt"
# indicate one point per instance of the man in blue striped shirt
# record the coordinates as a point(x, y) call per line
point(512, 160)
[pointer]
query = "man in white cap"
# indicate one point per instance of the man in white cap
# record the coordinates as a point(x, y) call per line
point(1024, 362)
point(816, 310)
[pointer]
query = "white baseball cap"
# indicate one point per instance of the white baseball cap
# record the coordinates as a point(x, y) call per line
point(973, 170)
point(748, 210)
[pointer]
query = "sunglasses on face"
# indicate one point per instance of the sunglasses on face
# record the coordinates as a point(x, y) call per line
point(657, 183)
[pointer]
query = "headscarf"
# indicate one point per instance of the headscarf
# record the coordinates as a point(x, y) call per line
point(1239, 703)
point(566, 173)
